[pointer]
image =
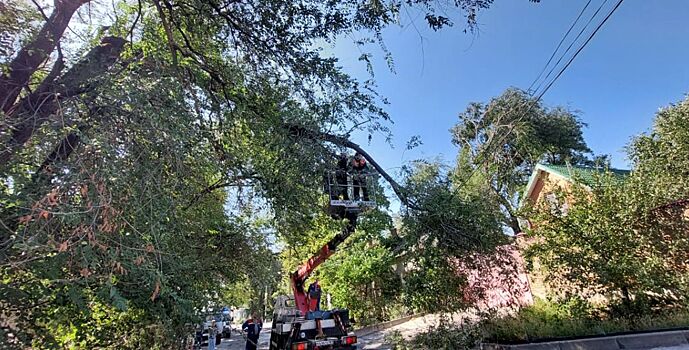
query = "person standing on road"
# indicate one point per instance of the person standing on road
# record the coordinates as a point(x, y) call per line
point(252, 327)
point(212, 334)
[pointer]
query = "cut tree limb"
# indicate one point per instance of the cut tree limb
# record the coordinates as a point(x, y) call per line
point(345, 142)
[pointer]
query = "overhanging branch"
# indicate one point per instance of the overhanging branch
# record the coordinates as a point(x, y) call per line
point(345, 142)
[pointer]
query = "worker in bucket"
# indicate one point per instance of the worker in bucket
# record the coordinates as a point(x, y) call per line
point(359, 173)
point(252, 328)
point(341, 177)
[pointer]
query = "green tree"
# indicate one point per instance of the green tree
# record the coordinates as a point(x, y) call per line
point(129, 157)
point(441, 229)
point(625, 239)
point(661, 155)
point(502, 141)
point(612, 239)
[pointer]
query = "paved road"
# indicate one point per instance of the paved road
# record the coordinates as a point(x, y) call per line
point(371, 341)
point(237, 341)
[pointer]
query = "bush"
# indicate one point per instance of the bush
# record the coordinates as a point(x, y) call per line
point(549, 320)
point(443, 337)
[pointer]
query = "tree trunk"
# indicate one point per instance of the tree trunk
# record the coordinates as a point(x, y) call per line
point(33, 54)
point(33, 110)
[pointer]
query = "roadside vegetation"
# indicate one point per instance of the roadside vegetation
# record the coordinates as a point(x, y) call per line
point(613, 255)
point(159, 159)
point(556, 320)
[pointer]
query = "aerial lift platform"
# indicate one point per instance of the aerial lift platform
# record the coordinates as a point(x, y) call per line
point(295, 327)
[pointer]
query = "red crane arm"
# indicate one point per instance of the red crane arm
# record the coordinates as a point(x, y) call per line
point(298, 277)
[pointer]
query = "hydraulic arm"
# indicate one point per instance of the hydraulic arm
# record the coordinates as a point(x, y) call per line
point(298, 277)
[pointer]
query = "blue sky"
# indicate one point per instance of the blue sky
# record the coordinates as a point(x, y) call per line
point(637, 63)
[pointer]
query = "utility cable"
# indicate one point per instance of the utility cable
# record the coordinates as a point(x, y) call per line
point(581, 48)
point(581, 32)
point(559, 45)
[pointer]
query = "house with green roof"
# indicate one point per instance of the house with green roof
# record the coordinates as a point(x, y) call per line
point(545, 180)
point(545, 177)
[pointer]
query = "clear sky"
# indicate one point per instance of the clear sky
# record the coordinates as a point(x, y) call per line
point(637, 63)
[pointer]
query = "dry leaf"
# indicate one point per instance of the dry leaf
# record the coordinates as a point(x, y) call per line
point(156, 291)
point(51, 197)
point(150, 248)
point(119, 269)
point(25, 219)
point(63, 246)
point(44, 214)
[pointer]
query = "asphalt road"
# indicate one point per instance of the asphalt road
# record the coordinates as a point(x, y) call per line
point(370, 341)
point(237, 342)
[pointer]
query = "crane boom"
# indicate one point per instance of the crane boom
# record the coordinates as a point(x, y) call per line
point(298, 277)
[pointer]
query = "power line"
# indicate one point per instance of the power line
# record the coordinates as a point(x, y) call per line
point(581, 48)
point(559, 45)
point(533, 102)
point(571, 45)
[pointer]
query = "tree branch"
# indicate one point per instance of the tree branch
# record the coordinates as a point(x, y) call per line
point(33, 110)
point(36, 52)
point(217, 185)
point(345, 142)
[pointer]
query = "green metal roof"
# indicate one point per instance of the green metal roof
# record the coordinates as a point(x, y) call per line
point(585, 175)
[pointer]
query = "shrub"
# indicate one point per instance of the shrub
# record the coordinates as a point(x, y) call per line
point(549, 320)
point(443, 337)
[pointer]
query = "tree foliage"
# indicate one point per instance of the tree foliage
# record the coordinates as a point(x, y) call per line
point(502, 141)
point(143, 150)
point(446, 225)
point(626, 240)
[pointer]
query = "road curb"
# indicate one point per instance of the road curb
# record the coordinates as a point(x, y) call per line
point(638, 341)
point(381, 326)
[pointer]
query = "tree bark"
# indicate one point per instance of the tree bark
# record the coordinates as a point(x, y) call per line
point(63, 150)
point(512, 219)
point(33, 110)
point(33, 54)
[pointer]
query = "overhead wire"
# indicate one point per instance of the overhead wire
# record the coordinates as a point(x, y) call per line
point(564, 37)
point(581, 48)
point(574, 41)
point(534, 101)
